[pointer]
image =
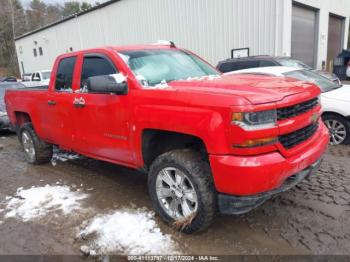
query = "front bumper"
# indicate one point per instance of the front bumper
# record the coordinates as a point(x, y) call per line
point(252, 175)
point(236, 205)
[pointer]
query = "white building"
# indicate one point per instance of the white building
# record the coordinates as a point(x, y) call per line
point(311, 30)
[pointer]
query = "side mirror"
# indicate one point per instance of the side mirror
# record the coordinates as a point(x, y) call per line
point(106, 84)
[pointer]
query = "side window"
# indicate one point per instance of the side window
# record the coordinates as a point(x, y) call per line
point(64, 75)
point(96, 66)
point(263, 63)
point(228, 67)
point(248, 64)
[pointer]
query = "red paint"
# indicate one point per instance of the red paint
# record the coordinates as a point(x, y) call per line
point(110, 127)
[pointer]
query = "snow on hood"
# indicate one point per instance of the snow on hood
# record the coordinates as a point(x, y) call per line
point(256, 88)
point(133, 232)
point(37, 202)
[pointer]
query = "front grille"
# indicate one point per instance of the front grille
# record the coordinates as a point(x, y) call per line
point(295, 110)
point(292, 139)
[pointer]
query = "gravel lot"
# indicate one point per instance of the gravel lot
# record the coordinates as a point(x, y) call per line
point(313, 218)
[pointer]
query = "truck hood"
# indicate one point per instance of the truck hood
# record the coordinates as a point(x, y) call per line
point(258, 89)
point(341, 94)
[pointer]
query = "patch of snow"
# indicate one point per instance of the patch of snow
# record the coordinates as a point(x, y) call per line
point(119, 78)
point(125, 58)
point(83, 89)
point(209, 77)
point(213, 77)
point(28, 204)
point(63, 156)
point(142, 80)
point(1, 222)
point(163, 84)
point(1, 210)
point(127, 232)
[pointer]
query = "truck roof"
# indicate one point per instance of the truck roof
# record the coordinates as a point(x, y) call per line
point(120, 48)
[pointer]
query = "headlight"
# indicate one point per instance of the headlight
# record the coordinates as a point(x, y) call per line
point(3, 114)
point(255, 120)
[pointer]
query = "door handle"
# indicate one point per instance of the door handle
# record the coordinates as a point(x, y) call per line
point(79, 102)
point(51, 103)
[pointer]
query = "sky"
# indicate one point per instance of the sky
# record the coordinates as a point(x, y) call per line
point(26, 2)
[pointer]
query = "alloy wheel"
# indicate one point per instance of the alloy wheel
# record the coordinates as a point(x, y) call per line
point(337, 131)
point(176, 193)
point(28, 146)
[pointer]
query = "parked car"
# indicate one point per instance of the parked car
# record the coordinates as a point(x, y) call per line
point(230, 65)
point(8, 79)
point(39, 78)
point(209, 142)
point(335, 99)
point(4, 121)
point(27, 77)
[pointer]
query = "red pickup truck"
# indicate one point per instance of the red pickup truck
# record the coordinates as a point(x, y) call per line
point(209, 142)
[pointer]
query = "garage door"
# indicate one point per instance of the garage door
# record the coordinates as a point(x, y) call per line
point(335, 37)
point(304, 28)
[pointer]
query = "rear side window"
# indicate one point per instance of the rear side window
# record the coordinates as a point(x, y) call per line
point(228, 67)
point(264, 63)
point(96, 66)
point(64, 74)
point(248, 64)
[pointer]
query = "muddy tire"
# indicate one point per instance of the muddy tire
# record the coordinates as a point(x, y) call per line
point(182, 190)
point(339, 129)
point(35, 150)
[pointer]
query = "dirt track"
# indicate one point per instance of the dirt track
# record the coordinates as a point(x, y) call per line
point(313, 218)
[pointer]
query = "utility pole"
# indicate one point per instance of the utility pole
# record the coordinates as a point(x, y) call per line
point(12, 18)
point(13, 53)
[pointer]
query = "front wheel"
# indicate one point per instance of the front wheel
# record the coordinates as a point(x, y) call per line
point(339, 129)
point(182, 190)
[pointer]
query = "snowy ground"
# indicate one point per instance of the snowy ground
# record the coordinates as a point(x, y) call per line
point(37, 202)
point(88, 206)
point(131, 232)
point(119, 232)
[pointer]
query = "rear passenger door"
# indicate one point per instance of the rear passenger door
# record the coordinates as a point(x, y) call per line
point(102, 127)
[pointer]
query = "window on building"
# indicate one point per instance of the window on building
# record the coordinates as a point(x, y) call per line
point(64, 75)
point(96, 66)
point(40, 50)
point(35, 52)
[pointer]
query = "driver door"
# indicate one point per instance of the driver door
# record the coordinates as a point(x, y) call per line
point(102, 127)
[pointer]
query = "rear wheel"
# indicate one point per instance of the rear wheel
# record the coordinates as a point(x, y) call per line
point(339, 129)
point(182, 191)
point(35, 150)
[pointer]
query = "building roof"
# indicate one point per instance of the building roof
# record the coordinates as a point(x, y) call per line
point(68, 18)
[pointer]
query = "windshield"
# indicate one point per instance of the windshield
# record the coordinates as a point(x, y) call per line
point(323, 83)
point(293, 63)
point(46, 75)
point(158, 66)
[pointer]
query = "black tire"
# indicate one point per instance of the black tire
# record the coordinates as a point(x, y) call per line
point(199, 173)
point(43, 150)
point(343, 121)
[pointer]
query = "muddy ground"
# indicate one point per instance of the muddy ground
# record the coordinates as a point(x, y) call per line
point(313, 218)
